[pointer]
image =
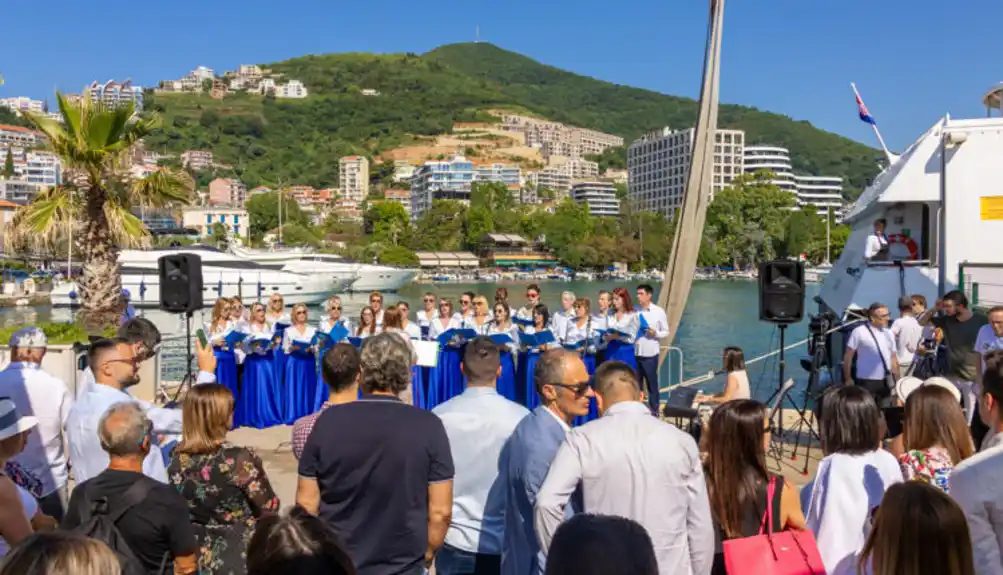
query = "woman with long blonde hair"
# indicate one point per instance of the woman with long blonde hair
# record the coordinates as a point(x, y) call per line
point(259, 404)
point(221, 325)
point(301, 366)
point(935, 435)
point(225, 485)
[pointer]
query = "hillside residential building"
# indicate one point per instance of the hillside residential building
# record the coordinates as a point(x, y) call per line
point(309, 198)
point(114, 94)
point(824, 193)
point(227, 192)
point(197, 160)
point(353, 178)
point(575, 168)
point(440, 180)
point(821, 192)
point(403, 171)
point(773, 159)
point(235, 220)
point(22, 104)
point(499, 173)
point(556, 139)
point(402, 197)
point(348, 209)
point(658, 165)
point(18, 137)
point(37, 167)
point(19, 191)
point(551, 178)
point(598, 196)
point(291, 89)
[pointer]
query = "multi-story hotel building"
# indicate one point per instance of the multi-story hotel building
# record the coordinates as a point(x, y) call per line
point(556, 139)
point(22, 104)
point(598, 196)
point(197, 159)
point(500, 173)
point(821, 192)
point(19, 191)
point(227, 192)
point(440, 180)
point(824, 193)
point(37, 167)
point(353, 178)
point(773, 159)
point(550, 178)
point(113, 94)
point(291, 89)
point(18, 137)
point(658, 165)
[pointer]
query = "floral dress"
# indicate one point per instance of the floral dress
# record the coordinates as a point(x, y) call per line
point(227, 491)
point(932, 466)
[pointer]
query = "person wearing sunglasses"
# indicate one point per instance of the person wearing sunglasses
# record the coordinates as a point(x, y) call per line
point(632, 465)
point(301, 367)
point(335, 316)
point(427, 313)
point(376, 302)
point(525, 313)
point(873, 344)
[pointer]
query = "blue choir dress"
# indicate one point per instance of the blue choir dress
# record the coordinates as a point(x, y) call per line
point(260, 402)
point(301, 373)
point(622, 349)
point(323, 391)
point(524, 374)
point(226, 360)
point(507, 381)
point(446, 379)
point(278, 326)
point(584, 339)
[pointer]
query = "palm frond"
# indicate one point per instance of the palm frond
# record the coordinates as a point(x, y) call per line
point(127, 230)
point(163, 187)
point(44, 221)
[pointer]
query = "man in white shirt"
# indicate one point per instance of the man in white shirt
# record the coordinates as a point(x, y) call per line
point(908, 335)
point(46, 398)
point(990, 337)
point(876, 249)
point(648, 344)
point(876, 352)
point(975, 482)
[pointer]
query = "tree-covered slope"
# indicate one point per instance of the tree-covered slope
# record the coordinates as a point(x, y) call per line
point(271, 141)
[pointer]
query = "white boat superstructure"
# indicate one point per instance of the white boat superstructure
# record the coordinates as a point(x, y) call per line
point(222, 274)
point(943, 206)
point(365, 277)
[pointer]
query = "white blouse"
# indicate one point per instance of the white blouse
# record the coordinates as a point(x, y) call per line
point(588, 332)
point(437, 327)
point(327, 324)
point(471, 323)
point(292, 333)
point(272, 320)
point(412, 330)
point(511, 331)
point(629, 324)
point(256, 332)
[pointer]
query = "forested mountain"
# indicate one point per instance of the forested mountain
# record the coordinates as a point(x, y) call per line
point(271, 141)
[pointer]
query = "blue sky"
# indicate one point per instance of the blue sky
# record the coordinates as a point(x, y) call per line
point(913, 60)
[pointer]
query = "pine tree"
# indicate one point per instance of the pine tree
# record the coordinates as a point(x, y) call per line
point(8, 166)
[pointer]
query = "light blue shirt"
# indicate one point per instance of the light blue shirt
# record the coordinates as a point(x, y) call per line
point(86, 455)
point(478, 423)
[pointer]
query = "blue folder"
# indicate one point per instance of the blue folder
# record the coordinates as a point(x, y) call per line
point(450, 334)
point(575, 346)
point(537, 339)
point(501, 338)
point(259, 344)
point(424, 331)
point(301, 349)
point(321, 339)
point(644, 325)
point(338, 332)
point(522, 321)
point(233, 338)
point(279, 329)
point(356, 341)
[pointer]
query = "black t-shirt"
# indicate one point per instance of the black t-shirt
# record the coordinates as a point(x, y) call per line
point(157, 525)
point(373, 460)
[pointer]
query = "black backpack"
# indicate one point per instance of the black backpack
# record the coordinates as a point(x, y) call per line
point(98, 523)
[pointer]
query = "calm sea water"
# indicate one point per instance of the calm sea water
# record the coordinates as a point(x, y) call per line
point(719, 313)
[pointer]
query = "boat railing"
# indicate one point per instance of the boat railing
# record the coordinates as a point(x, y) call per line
point(899, 263)
point(982, 284)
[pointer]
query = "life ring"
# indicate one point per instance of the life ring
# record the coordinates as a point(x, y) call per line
point(906, 241)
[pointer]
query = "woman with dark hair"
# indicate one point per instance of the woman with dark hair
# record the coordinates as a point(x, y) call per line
point(935, 436)
point(590, 544)
point(225, 485)
point(529, 355)
point(622, 328)
point(917, 530)
point(737, 480)
point(296, 543)
point(367, 323)
point(851, 478)
point(736, 384)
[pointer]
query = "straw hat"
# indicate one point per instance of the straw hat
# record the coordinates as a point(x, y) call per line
point(907, 385)
point(12, 422)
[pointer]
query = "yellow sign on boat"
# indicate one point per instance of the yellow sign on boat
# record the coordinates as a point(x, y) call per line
point(991, 207)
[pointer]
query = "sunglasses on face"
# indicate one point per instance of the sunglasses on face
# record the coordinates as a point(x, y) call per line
point(131, 361)
point(579, 389)
point(532, 294)
point(430, 300)
point(336, 308)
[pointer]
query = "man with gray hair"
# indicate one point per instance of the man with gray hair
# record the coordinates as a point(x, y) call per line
point(386, 486)
point(48, 399)
point(151, 516)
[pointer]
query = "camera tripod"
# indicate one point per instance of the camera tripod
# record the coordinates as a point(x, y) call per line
point(807, 420)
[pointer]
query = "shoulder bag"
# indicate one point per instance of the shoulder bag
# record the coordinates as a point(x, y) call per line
point(889, 377)
point(769, 553)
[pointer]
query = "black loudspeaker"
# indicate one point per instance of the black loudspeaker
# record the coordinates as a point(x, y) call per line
point(180, 282)
point(781, 291)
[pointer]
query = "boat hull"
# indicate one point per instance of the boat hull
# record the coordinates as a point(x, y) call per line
point(389, 280)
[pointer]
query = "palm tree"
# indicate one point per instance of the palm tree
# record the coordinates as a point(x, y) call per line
point(95, 143)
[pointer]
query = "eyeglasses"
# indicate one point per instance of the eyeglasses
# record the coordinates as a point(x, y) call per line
point(336, 307)
point(429, 299)
point(532, 294)
point(443, 305)
point(131, 361)
point(302, 311)
point(465, 301)
point(580, 389)
point(478, 303)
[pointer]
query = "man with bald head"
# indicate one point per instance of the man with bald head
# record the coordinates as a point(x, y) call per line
point(562, 382)
point(152, 516)
point(631, 464)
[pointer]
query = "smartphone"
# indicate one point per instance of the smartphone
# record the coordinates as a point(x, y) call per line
point(200, 333)
point(894, 421)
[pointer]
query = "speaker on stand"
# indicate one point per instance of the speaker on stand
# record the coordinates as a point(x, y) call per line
point(181, 292)
point(781, 301)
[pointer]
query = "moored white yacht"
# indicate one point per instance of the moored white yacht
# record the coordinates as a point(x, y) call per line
point(944, 210)
point(222, 274)
point(365, 277)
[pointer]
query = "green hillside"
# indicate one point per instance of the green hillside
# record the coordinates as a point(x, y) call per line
point(269, 141)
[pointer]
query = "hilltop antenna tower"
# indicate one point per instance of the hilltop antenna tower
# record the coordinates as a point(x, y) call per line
point(477, 34)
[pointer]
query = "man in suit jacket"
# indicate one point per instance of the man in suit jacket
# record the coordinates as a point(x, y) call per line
point(562, 381)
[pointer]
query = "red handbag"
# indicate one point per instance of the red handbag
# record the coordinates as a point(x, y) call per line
point(769, 553)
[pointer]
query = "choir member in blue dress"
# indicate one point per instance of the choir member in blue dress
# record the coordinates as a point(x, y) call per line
point(238, 320)
point(502, 324)
point(480, 321)
point(532, 300)
point(418, 373)
point(260, 402)
point(528, 356)
point(334, 317)
point(424, 316)
point(467, 305)
point(367, 323)
point(219, 327)
point(301, 366)
point(581, 330)
point(625, 321)
point(276, 314)
point(376, 302)
point(443, 376)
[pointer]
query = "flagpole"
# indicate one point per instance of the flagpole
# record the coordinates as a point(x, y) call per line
point(892, 158)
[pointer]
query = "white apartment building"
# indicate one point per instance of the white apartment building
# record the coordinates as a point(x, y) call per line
point(575, 168)
point(824, 193)
point(441, 180)
point(551, 178)
point(18, 137)
point(235, 220)
point(658, 164)
point(773, 159)
point(353, 178)
point(22, 104)
point(499, 173)
point(36, 167)
point(556, 139)
point(598, 196)
point(19, 191)
point(291, 89)
point(113, 94)
point(197, 159)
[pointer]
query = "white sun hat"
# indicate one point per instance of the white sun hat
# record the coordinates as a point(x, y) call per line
point(907, 385)
point(12, 422)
